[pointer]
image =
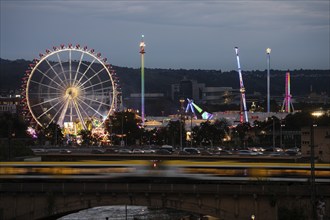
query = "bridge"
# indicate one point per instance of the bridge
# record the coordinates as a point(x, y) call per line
point(50, 190)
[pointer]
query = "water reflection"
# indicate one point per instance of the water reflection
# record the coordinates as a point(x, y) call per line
point(129, 213)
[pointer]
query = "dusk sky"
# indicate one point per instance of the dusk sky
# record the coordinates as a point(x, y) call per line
point(187, 34)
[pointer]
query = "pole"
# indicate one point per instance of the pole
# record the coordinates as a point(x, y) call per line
point(313, 191)
point(268, 50)
point(191, 132)
point(273, 133)
point(181, 112)
point(281, 140)
point(122, 129)
point(142, 52)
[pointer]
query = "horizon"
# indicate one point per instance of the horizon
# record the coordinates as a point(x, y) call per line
point(222, 71)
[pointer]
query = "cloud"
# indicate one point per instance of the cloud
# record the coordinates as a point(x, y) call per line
point(179, 32)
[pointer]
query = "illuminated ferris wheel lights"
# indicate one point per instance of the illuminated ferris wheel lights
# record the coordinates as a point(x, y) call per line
point(58, 88)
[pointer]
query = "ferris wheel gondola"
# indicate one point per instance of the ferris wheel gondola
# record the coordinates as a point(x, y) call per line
point(69, 84)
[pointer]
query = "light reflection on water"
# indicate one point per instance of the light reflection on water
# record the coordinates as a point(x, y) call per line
point(133, 213)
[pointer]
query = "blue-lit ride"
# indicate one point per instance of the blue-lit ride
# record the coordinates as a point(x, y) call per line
point(191, 105)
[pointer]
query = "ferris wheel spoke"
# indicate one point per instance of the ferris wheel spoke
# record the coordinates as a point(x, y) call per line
point(83, 109)
point(96, 84)
point(102, 91)
point(90, 107)
point(71, 112)
point(83, 75)
point(52, 68)
point(70, 68)
point(60, 61)
point(63, 111)
point(89, 79)
point(48, 86)
point(45, 93)
point(55, 115)
point(75, 77)
point(41, 103)
point(97, 101)
point(51, 79)
point(53, 106)
point(79, 114)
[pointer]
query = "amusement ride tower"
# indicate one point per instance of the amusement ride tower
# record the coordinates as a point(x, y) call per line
point(142, 52)
point(242, 91)
point(287, 104)
point(268, 50)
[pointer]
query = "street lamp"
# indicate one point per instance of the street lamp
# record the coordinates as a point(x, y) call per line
point(181, 110)
point(281, 132)
point(312, 145)
point(313, 171)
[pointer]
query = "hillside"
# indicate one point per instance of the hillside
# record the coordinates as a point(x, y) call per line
point(160, 80)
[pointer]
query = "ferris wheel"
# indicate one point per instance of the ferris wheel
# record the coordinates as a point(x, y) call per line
point(70, 84)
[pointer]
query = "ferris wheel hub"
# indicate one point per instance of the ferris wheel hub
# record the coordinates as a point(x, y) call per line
point(72, 92)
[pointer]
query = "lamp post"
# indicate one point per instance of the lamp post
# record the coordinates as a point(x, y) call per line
point(313, 172)
point(281, 132)
point(268, 50)
point(181, 106)
point(315, 115)
point(274, 133)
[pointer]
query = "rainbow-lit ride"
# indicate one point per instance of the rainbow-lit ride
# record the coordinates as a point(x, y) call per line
point(142, 52)
point(69, 85)
point(287, 104)
point(191, 105)
point(242, 91)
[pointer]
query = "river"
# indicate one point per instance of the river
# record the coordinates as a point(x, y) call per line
point(129, 213)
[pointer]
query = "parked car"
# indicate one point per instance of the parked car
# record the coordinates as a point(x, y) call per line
point(247, 153)
point(292, 153)
point(163, 152)
point(205, 153)
point(138, 151)
point(149, 151)
point(37, 151)
point(225, 152)
point(168, 148)
point(65, 151)
point(124, 151)
point(110, 151)
point(97, 151)
point(191, 150)
point(183, 153)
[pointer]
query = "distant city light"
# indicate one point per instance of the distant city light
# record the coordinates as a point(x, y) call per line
point(318, 113)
